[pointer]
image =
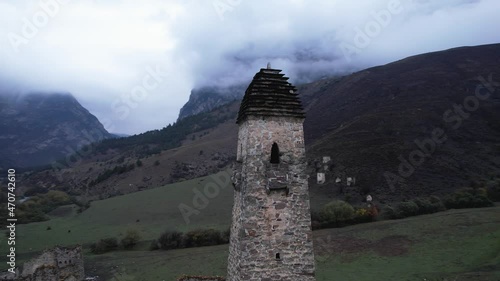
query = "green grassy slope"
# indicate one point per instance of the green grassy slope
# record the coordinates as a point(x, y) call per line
point(452, 245)
point(456, 244)
point(150, 212)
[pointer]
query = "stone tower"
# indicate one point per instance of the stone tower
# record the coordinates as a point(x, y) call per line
point(271, 236)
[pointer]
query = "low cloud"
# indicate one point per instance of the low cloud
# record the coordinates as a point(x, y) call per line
point(100, 50)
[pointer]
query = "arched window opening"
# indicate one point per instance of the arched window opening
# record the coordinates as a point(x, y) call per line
point(275, 154)
point(278, 257)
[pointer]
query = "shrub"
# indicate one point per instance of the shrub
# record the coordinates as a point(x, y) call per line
point(493, 191)
point(35, 208)
point(104, 245)
point(171, 240)
point(195, 238)
point(406, 209)
point(362, 215)
point(417, 206)
point(203, 237)
point(429, 205)
point(131, 239)
point(437, 204)
point(388, 212)
point(225, 236)
point(373, 212)
point(467, 198)
point(337, 212)
point(30, 214)
point(423, 204)
point(53, 199)
point(481, 201)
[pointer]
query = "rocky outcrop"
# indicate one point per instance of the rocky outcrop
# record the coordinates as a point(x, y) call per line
point(207, 98)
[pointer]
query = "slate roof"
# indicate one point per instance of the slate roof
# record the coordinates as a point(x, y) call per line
point(270, 94)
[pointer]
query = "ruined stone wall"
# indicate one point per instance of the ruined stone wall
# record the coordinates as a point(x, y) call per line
point(271, 237)
point(57, 264)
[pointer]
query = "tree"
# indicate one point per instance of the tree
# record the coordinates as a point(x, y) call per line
point(337, 211)
point(131, 239)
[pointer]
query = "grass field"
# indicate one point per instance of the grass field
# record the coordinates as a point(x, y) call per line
point(452, 245)
point(150, 212)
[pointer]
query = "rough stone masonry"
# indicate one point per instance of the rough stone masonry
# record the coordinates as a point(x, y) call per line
point(271, 235)
point(57, 264)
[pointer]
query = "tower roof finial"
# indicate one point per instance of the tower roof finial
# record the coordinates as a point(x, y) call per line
point(269, 65)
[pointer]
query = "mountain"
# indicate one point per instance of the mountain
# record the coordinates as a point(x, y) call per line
point(426, 124)
point(117, 135)
point(195, 146)
point(376, 125)
point(38, 128)
point(205, 99)
point(373, 124)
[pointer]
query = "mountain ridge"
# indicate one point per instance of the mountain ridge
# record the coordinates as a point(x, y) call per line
point(204, 99)
point(39, 128)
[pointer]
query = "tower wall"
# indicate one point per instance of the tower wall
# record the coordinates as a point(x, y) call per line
point(271, 236)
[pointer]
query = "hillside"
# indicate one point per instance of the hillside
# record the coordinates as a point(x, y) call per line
point(366, 122)
point(371, 121)
point(195, 146)
point(38, 129)
point(458, 244)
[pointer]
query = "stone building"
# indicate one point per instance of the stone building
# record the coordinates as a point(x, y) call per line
point(271, 236)
point(57, 264)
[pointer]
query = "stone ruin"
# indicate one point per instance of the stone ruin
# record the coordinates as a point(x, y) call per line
point(324, 171)
point(57, 264)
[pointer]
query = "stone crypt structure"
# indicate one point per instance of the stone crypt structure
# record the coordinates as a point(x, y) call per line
point(271, 235)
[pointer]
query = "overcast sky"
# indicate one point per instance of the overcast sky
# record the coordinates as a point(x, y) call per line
point(133, 63)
